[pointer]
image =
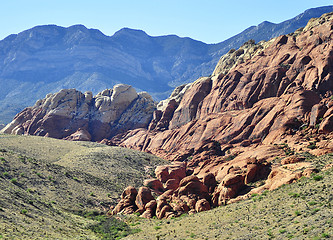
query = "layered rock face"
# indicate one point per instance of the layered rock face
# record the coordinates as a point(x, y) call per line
point(265, 106)
point(282, 87)
point(70, 114)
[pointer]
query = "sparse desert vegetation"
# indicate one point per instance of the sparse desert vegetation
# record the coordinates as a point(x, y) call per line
point(48, 187)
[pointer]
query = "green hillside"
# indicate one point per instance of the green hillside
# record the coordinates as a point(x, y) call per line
point(46, 184)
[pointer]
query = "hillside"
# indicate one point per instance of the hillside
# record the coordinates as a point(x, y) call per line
point(248, 128)
point(46, 59)
point(302, 210)
point(262, 120)
point(47, 185)
point(265, 108)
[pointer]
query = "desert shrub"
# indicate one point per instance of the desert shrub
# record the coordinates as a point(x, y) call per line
point(317, 177)
point(24, 211)
point(312, 203)
point(325, 235)
point(294, 195)
point(312, 145)
point(239, 52)
point(111, 228)
point(13, 180)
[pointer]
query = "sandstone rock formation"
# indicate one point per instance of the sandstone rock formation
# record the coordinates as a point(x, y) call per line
point(267, 99)
point(72, 115)
point(265, 107)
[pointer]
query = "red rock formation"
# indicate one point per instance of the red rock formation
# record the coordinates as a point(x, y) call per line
point(154, 184)
point(243, 123)
point(143, 197)
point(127, 202)
point(271, 94)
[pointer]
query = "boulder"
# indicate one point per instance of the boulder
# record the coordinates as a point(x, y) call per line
point(176, 171)
point(292, 159)
point(150, 209)
point(143, 197)
point(79, 135)
point(171, 184)
point(191, 185)
point(228, 188)
point(327, 125)
point(127, 202)
point(154, 184)
point(202, 205)
point(129, 193)
point(280, 176)
point(161, 208)
point(210, 182)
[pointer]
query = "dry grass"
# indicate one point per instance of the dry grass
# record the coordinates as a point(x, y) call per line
point(44, 182)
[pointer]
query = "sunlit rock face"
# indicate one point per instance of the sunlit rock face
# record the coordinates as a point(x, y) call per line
point(73, 115)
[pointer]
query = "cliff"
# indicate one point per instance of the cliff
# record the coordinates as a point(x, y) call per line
point(249, 127)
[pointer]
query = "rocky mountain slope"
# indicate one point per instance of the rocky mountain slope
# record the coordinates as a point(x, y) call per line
point(280, 86)
point(241, 131)
point(46, 59)
point(248, 128)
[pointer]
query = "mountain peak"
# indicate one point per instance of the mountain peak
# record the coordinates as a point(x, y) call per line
point(130, 32)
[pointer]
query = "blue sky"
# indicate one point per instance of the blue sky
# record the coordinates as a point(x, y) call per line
point(210, 21)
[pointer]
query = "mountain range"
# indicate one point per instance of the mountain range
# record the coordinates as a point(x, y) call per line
point(261, 121)
point(48, 58)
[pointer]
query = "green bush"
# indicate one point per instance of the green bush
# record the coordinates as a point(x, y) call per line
point(294, 195)
point(325, 235)
point(112, 228)
point(13, 180)
point(282, 230)
point(24, 211)
point(317, 177)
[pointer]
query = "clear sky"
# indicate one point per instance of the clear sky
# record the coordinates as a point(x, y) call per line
point(210, 21)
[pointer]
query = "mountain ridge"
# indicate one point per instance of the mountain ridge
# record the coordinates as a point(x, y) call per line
point(48, 58)
point(251, 127)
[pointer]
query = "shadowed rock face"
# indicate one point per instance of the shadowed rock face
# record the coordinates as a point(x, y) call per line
point(73, 115)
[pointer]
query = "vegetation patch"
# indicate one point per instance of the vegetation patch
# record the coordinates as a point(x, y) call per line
point(45, 183)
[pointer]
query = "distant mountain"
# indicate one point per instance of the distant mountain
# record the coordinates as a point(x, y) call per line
point(48, 58)
point(267, 30)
